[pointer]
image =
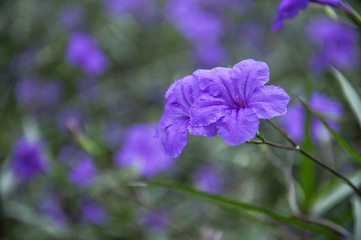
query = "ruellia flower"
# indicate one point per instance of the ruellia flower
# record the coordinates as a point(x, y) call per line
point(143, 152)
point(52, 208)
point(93, 212)
point(209, 179)
point(28, 159)
point(175, 121)
point(83, 52)
point(294, 120)
point(154, 220)
point(337, 45)
point(234, 99)
point(290, 8)
point(84, 171)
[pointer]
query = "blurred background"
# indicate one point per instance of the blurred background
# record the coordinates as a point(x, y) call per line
point(82, 87)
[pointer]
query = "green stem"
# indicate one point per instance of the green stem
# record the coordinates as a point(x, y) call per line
point(309, 156)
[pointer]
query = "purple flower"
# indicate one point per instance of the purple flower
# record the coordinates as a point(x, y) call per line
point(93, 212)
point(113, 134)
point(35, 94)
point(88, 89)
point(72, 15)
point(144, 10)
point(67, 153)
point(28, 159)
point(252, 35)
point(233, 99)
point(294, 120)
point(337, 45)
point(142, 151)
point(209, 179)
point(154, 220)
point(84, 172)
point(68, 117)
point(83, 52)
point(52, 208)
point(210, 55)
point(175, 121)
point(290, 8)
point(184, 13)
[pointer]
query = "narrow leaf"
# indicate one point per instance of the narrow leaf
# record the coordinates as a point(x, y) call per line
point(334, 194)
point(315, 228)
point(351, 95)
point(338, 138)
point(356, 208)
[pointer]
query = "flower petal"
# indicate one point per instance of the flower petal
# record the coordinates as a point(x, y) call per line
point(207, 131)
point(249, 74)
point(288, 9)
point(207, 109)
point(174, 137)
point(238, 126)
point(218, 83)
point(269, 101)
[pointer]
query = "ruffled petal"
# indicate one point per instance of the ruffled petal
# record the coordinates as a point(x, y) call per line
point(207, 109)
point(269, 101)
point(238, 126)
point(207, 131)
point(174, 137)
point(248, 75)
point(218, 83)
point(288, 9)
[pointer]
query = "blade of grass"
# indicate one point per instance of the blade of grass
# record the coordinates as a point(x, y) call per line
point(338, 138)
point(356, 209)
point(334, 194)
point(351, 95)
point(315, 228)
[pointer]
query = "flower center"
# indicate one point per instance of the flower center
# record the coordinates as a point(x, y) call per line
point(240, 102)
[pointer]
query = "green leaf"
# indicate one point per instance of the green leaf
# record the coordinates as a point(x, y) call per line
point(334, 194)
point(356, 208)
point(338, 138)
point(315, 228)
point(351, 95)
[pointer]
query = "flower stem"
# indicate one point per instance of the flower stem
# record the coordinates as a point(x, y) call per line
point(351, 13)
point(299, 149)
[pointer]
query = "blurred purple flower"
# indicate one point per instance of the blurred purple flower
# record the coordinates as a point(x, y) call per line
point(234, 99)
point(72, 15)
point(209, 179)
point(144, 10)
point(175, 121)
point(52, 209)
point(88, 89)
point(252, 35)
point(143, 152)
point(210, 55)
point(83, 52)
point(154, 220)
point(93, 212)
point(35, 94)
point(113, 134)
point(67, 153)
point(84, 171)
point(28, 159)
point(337, 45)
point(184, 13)
point(68, 117)
point(294, 120)
point(290, 8)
